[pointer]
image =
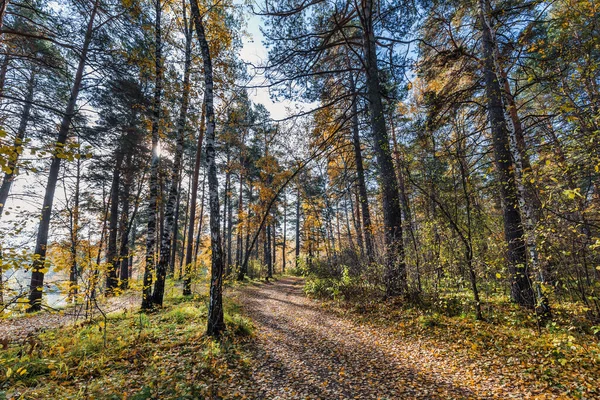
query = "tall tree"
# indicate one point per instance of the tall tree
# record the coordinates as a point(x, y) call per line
point(38, 265)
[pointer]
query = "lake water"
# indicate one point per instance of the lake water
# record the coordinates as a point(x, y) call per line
point(18, 281)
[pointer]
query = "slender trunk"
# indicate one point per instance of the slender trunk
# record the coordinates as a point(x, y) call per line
point(268, 258)
point(154, 166)
point(274, 247)
point(125, 253)
point(357, 224)
point(74, 271)
point(226, 194)
point(468, 241)
point(37, 268)
point(187, 280)
point(229, 232)
point(113, 228)
point(240, 237)
point(527, 196)
point(521, 290)
point(175, 239)
point(395, 278)
point(200, 219)
point(11, 165)
point(347, 217)
point(216, 324)
point(297, 223)
point(96, 273)
point(367, 231)
point(124, 224)
point(169, 220)
point(283, 249)
point(185, 228)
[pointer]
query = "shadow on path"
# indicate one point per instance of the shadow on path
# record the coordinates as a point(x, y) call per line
point(303, 351)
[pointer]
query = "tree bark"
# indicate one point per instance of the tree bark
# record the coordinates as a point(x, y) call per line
point(125, 223)
point(187, 280)
point(113, 227)
point(367, 232)
point(37, 268)
point(216, 324)
point(521, 289)
point(297, 223)
point(154, 166)
point(74, 270)
point(395, 277)
point(165, 246)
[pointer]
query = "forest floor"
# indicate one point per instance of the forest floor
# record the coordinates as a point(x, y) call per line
point(280, 344)
point(307, 349)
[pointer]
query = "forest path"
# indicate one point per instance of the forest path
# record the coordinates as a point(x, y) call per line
point(304, 351)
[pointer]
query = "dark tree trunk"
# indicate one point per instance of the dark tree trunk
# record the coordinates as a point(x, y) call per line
point(367, 232)
point(216, 324)
point(521, 289)
point(37, 268)
point(240, 237)
point(175, 240)
point(395, 278)
point(185, 228)
point(113, 228)
point(357, 221)
point(229, 232)
point(284, 235)
point(169, 221)
point(74, 270)
point(125, 223)
point(187, 280)
point(154, 183)
point(12, 162)
point(200, 218)
point(268, 257)
point(297, 224)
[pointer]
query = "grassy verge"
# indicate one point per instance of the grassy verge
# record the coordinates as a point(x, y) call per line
point(131, 355)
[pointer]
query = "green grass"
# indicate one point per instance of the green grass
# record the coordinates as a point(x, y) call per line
point(164, 354)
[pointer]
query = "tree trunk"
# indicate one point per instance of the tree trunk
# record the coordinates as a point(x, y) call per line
point(283, 249)
point(521, 290)
point(37, 268)
point(297, 223)
point(165, 246)
point(395, 278)
point(367, 232)
point(200, 219)
point(216, 324)
point(74, 270)
point(175, 240)
point(187, 280)
point(185, 228)
point(125, 223)
point(13, 159)
point(154, 166)
point(113, 227)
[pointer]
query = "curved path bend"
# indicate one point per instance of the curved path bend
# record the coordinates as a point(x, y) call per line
point(303, 351)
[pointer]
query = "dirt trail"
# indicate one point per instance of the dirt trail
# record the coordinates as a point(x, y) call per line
point(303, 351)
